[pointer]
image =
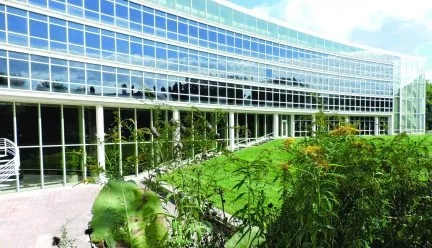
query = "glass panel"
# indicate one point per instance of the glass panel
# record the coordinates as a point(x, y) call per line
point(73, 125)
point(30, 168)
point(6, 121)
point(27, 125)
point(17, 24)
point(52, 165)
point(51, 125)
point(75, 163)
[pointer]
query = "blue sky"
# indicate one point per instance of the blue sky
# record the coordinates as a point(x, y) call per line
point(400, 26)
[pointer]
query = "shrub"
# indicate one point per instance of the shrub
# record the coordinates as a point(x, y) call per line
point(352, 191)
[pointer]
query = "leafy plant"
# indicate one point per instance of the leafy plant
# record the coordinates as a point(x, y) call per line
point(127, 215)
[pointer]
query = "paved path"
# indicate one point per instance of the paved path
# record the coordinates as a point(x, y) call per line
point(32, 218)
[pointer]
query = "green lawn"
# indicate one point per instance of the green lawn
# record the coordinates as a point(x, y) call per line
point(220, 171)
point(426, 138)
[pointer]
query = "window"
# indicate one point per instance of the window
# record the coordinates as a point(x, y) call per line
point(17, 24)
point(2, 21)
point(77, 75)
point(38, 29)
point(18, 68)
point(92, 5)
point(93, 77)
point(107, 7)
point(3, 66)
point(76, 37)
point(122, 46)
point(161, 22)
point(108, 43)
point(39, 2)
point(135, 15)
point(136, 49)
point(121, 11)
point(58, 33)
point(172, 25)
point(193, 31)
point(92, 40)
point(148, 19)
point(76, 2)
point(40, 71)
point(59, 73)
point(182, 28)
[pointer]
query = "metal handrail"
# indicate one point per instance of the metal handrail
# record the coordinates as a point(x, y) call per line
point(12, 162)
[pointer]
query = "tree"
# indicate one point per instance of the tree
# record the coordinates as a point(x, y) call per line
point(428, 105)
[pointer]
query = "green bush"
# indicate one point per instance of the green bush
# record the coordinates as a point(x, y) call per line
point(345, 190)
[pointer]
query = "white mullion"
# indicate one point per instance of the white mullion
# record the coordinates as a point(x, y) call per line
point(83, 140)
point(256, 125)
point(63, 144)
point(41, 167)
point(247, 128)
point(136, 142)
point(15, 140)
point(152, 138)
point(120, 143)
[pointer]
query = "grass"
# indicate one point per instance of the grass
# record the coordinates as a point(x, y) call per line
point(219, 172)
point(426, 138)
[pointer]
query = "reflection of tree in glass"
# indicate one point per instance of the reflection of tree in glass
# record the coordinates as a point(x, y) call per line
point(17, 82)
point(44, 85)
point(124, 89)
point(92, 90)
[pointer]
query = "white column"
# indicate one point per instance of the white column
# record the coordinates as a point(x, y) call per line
point(40, 147)
point(81, 120)
point(231, 134)
point(314, 126)
point(247, 128)
point(136, 142)
point(237, 130)
point(63, 144)
point(176, 136)
point(100, 136)
point(120, 142)
point(390, 124)
point(292, 126)
point(256, 125)
point(347, 120)
point(16, 142)
point(376, 125)
point(275, 125)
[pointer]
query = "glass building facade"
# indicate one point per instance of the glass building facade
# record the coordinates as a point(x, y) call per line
point(68, 66)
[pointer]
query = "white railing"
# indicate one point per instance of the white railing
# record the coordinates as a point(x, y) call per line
point(253, 141)
point(9, 161)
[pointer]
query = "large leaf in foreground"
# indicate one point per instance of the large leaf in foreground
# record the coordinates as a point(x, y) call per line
point(124, 214)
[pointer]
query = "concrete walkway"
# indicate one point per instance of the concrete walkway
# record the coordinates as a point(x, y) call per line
point(32, 218)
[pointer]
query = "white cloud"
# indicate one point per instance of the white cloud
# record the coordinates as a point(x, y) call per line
point(338, 18)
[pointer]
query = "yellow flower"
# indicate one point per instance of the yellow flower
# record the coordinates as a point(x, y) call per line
point(344, 131)
point(312, 151)
point(288, 143)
